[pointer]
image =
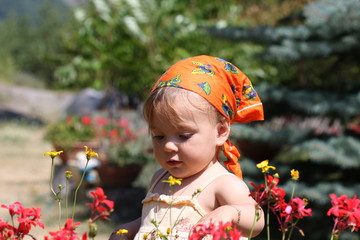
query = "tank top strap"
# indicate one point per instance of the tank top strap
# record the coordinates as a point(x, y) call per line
point(210, 180)
point(157, 180)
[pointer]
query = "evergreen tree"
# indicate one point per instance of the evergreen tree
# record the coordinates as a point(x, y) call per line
point(320, 44)
point(312, 114)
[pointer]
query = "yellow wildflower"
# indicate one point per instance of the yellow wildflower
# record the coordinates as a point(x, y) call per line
point(145, 236)
point(161, 235)
point(68, 174)
point(121, 232)
point(168, 231)
point(228, 228)
point(90, 153)
point(172, 181)
point(264, 166)
point(294, 174)
point(53, 154)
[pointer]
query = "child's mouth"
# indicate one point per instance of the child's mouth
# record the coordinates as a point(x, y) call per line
point(173, 163)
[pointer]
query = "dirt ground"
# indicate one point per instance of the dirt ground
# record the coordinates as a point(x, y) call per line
point(24, 171)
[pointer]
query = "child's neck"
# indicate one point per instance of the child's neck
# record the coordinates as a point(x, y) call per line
point(193, 182)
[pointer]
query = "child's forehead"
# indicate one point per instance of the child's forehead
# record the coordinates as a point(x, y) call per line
point(179, 116)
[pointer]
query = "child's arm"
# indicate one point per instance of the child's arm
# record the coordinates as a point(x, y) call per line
point(132, 227)
point(235, 205)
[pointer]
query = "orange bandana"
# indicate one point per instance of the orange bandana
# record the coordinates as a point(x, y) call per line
point(224, 86)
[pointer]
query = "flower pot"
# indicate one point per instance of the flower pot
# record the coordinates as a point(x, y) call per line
point(117, 176)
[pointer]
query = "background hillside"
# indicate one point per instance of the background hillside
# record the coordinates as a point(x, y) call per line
point(29, 8)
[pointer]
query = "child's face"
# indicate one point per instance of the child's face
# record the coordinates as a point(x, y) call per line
point(188, 146)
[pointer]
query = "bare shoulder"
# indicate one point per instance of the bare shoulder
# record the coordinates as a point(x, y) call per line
point(230, 189)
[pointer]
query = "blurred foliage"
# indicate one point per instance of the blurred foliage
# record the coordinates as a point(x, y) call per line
point(318, 47)
point(29, 39)
point(128, 44)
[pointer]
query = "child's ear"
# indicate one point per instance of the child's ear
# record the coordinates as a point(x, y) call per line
point(223, 132)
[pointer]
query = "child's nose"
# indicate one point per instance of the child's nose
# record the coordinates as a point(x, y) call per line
point(170, 146)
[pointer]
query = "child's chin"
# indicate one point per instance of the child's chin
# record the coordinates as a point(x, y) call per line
point(178, 173)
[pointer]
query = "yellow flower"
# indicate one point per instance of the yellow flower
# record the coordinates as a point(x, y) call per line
point(172, 181)
point(264, 166)
point(168, 231)
point(228, 228)
point(68, 174)
point(53, 154)
point(145, 236)
point(161, 235)
point(121, 232)
point(294, 174)
point(90, 153)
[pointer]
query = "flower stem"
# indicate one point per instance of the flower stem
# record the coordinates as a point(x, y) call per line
point(59, 206)
point(66, 198)
point(334, 236)
point(268, 221)
point(78, 187)
point(257, 207)
point(292, 229)
point(293, 190)
point(52, 176)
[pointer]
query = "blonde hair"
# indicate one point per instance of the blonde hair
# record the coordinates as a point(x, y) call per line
point(167, 100)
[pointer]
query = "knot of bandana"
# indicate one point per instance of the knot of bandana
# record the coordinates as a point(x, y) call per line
point(224, 86)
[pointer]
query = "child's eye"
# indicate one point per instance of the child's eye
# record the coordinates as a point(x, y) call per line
point(185, 136)
point(158, 137)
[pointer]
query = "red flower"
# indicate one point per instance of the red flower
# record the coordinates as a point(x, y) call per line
point(113, 133)
point(346, 212)
point(101, 121)
point(28, 217)
point(86, 120)
point(6, 230)
point(217, 231)
point(259, 194)
point(14, 209)
point(123, 123)
point(101, 207)
point(66, 233)
point(287, 214)
point(294, 209)
point(269, 193)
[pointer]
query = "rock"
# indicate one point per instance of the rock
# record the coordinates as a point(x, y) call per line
point(86, 102)
point(45, 105)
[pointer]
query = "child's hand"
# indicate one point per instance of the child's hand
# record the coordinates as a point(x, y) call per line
point(226, 213)
point(241, 215)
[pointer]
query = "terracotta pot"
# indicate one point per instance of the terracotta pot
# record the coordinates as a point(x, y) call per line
point(116, 176)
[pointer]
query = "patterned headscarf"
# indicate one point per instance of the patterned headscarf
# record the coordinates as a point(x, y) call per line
point(224, 86)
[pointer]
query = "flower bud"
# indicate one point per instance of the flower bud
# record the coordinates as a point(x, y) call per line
point(93, 230)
